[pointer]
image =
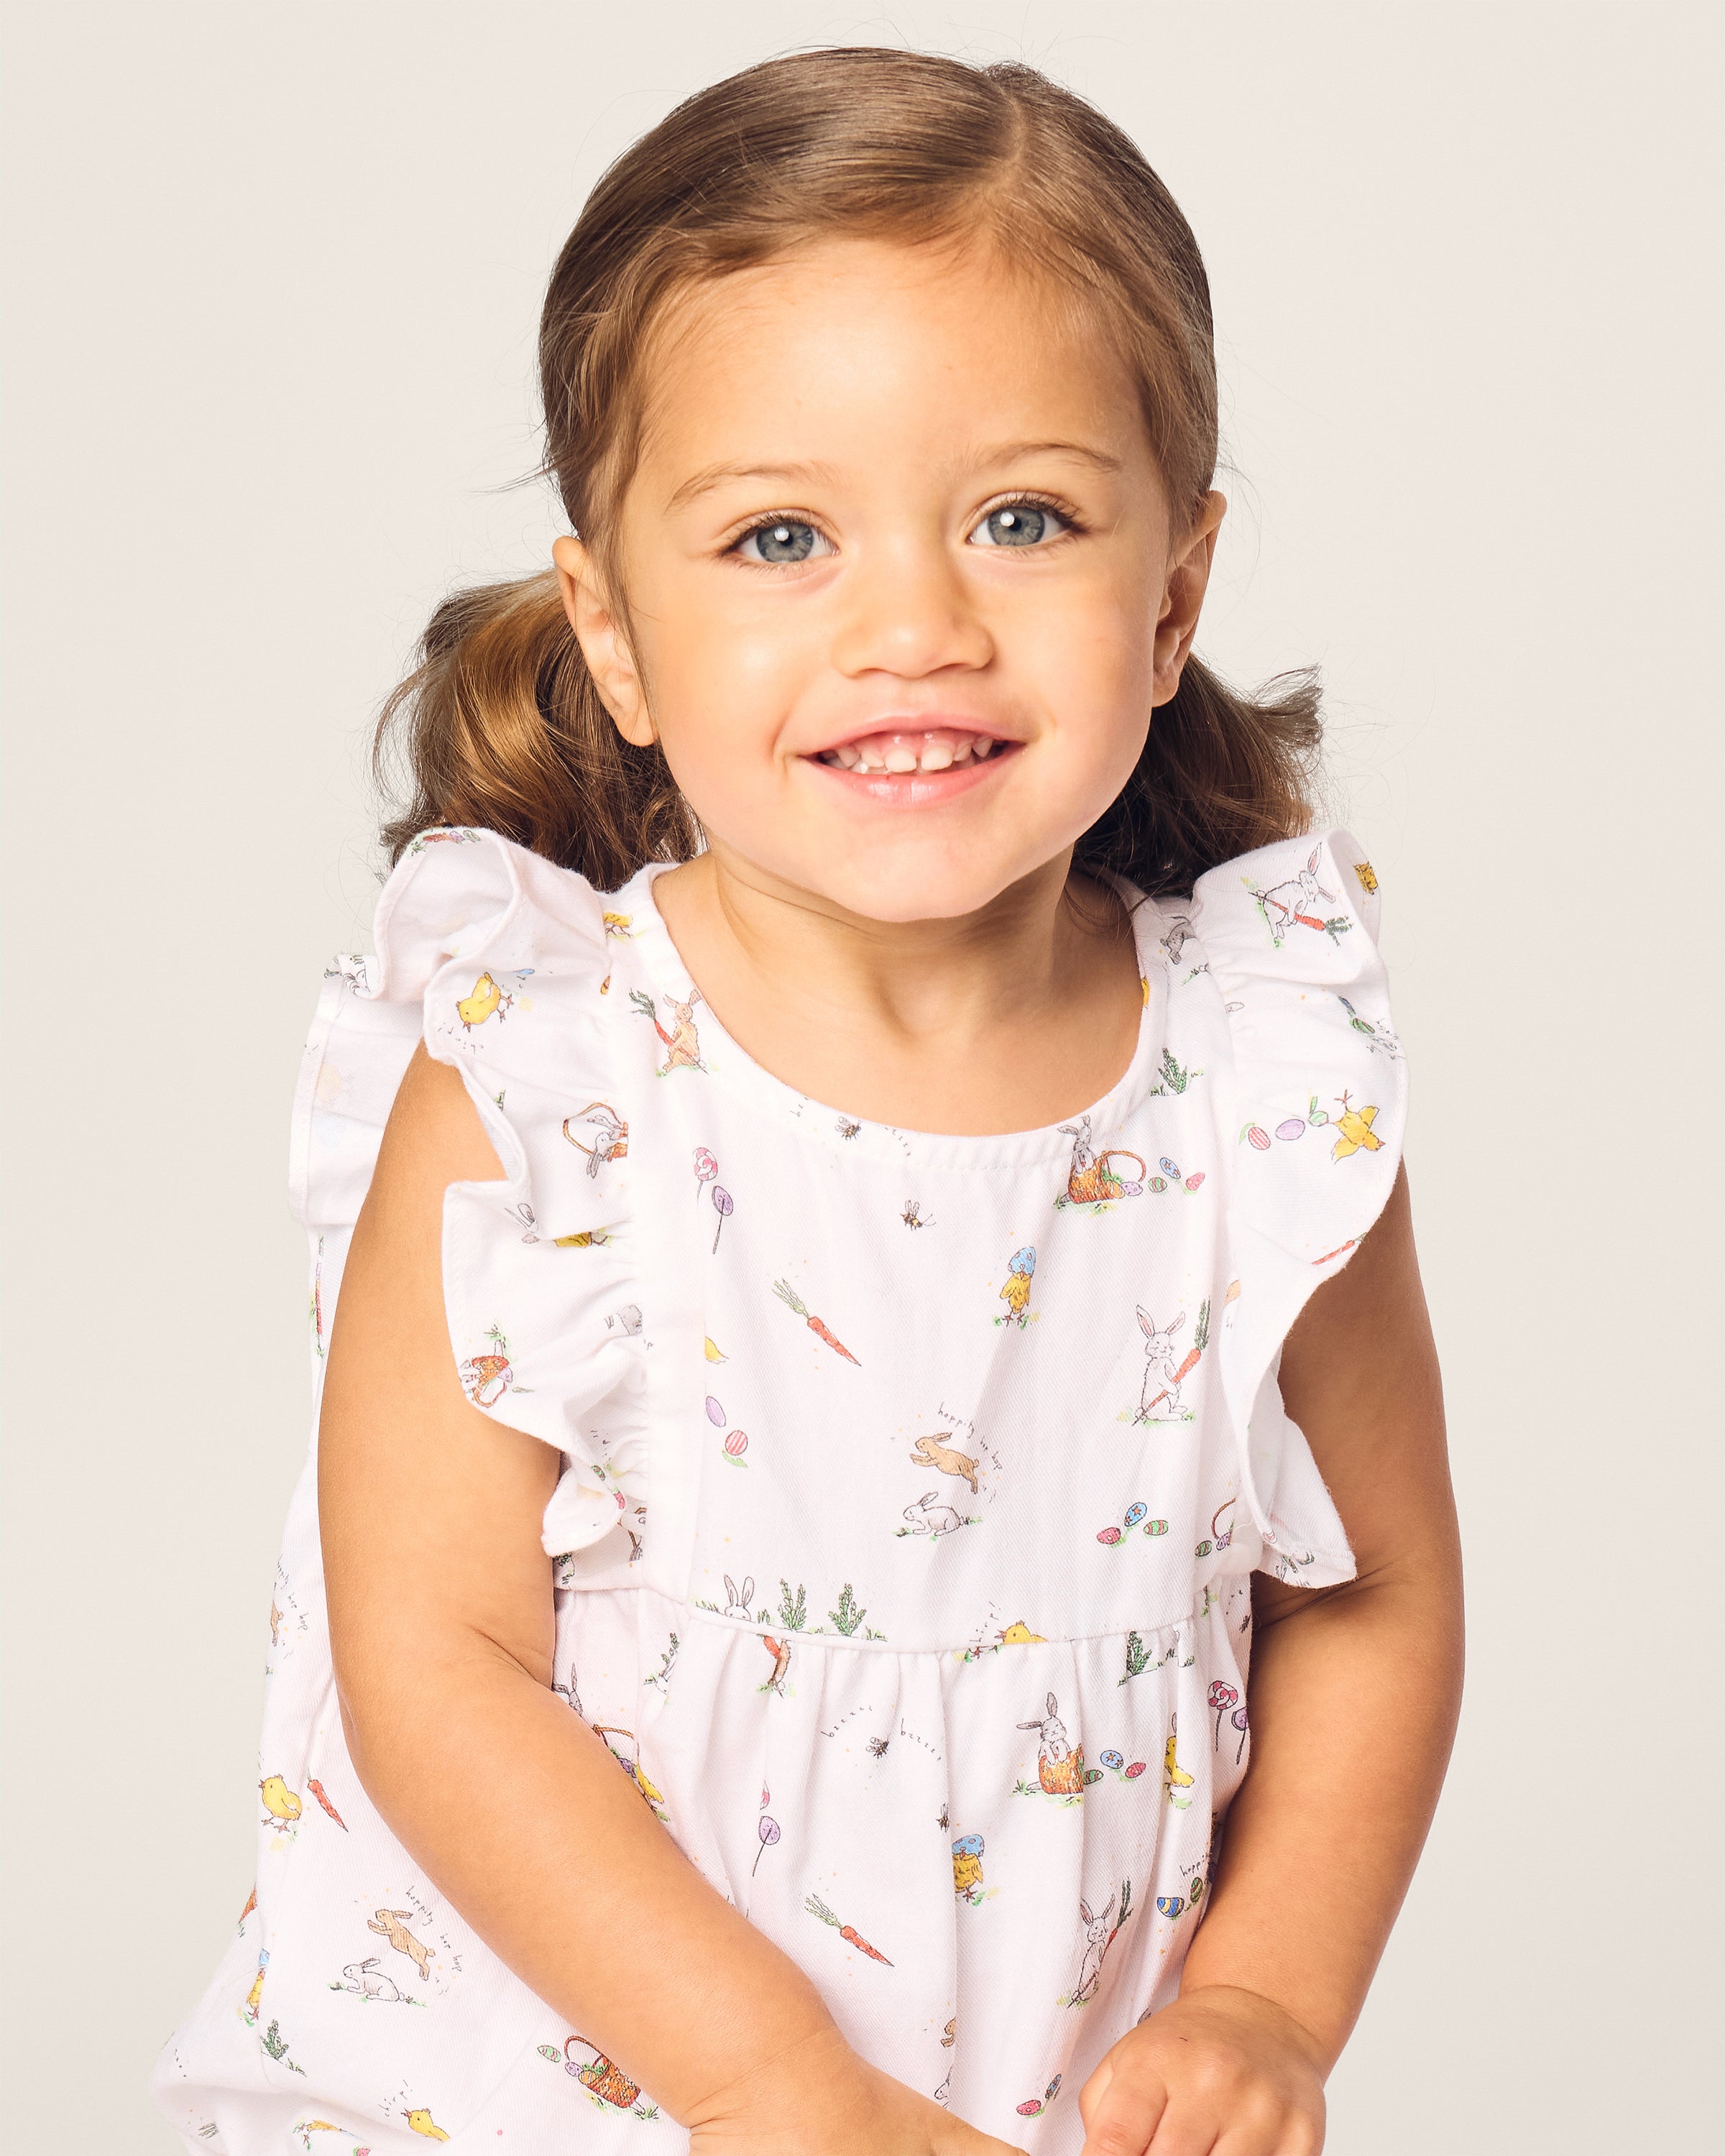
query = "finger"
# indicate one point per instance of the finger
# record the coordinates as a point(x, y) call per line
point(1189, 2125)
point(1274, 2130)
point(1124, 2118)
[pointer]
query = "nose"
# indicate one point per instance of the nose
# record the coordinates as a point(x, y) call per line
point(907, 613)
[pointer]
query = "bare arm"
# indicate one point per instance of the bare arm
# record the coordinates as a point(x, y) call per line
point(1355, 1691)
point(442, 1632)
point(441, 1627)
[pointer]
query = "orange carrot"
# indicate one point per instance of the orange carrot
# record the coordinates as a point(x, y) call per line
point(787, 1293)
point(849, 1934)
point(316, 1789)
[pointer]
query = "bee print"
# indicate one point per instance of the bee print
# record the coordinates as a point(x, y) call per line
point(846, 1128)
point(912, 1215)
point(877, 1747)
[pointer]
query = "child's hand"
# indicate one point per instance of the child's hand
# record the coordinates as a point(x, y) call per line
point(825, 2101)
point(1219, 2069)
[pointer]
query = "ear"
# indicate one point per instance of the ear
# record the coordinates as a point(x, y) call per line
point(1185, 581)
point(1051, 1703)
point(1311, 860)
point(599, 632)
point(748, 1588)
point(1084, 1912)
point(1146, 1324)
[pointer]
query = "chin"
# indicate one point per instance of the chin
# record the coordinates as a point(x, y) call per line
point(897, 891)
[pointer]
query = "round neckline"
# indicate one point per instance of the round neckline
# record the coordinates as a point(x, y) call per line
point(726, 1063)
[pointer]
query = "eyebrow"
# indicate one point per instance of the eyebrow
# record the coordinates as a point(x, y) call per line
point(998, 453)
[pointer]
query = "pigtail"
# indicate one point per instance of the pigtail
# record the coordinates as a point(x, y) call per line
point(499, 725)
point(1221, 773)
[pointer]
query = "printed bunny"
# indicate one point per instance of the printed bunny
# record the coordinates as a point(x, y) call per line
point(1059, 1768)
point(609, 1130)
point(1160, 1366)
point(1097, 1936)
point(1089, 1178)
point(682, 1043)
point(1295, 900)
point(1180, 929)
point(930, 1452)
point(928, 1515)
point(735, 1604)
point(369, 1980)
point(390, 1924)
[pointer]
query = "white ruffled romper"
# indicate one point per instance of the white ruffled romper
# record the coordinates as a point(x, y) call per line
point(911, 1489)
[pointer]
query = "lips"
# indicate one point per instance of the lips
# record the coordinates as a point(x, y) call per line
point(898, 751)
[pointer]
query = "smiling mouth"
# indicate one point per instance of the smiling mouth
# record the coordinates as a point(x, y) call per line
point(901, 752)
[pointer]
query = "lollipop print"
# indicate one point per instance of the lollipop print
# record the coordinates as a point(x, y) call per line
point(706, 1168)
point(767, 1830)
point(1239, 1719)
point(724, 1204)
point(1222, 1696)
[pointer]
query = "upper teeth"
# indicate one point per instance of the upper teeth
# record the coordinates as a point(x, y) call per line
point(936, 750)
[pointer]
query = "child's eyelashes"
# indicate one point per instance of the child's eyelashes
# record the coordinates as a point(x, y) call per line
point(781, 541)
point(1025, 520)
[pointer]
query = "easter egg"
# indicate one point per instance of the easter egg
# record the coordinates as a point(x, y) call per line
point(1257, 1138)
point(1091, 1774)
point(1155, 1527)
point(1113, 1759)
point(1292, 1128)
point(1169, 1168)
point(1204, 1548)
point(1030, 2109)
point(968, 1844)
point(1197, 1891)
point(1171, 1905)
point(1110, 1536)
point(1194, 1179)
point(1158, 1182)
point(715, 1413)
point(1135, 1513)
point(1136, 1768)
point(737, 1443)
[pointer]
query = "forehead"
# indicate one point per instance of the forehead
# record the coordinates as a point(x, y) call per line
point(857, 350)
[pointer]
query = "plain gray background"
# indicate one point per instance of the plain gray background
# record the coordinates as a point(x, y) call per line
point(275, 274)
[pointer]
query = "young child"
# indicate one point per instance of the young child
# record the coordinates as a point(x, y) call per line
point(874, 1280)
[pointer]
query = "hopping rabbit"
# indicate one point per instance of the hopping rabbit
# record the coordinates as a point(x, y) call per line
point(1097, 1936)
point(1159, 1364)
point(392, 1925)
point(930, 1452)
point(1059, 1768)
point(735, 1604)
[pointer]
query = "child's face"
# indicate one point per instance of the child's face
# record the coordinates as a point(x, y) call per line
point(890, 512)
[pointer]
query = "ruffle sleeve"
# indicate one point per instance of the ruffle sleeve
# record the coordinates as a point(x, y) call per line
point(496, 959)
point(1316, 1125)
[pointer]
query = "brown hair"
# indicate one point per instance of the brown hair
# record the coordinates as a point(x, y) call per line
point(500, 724)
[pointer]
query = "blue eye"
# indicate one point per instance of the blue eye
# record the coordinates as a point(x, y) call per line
point(1018, 524)
point(786, 539)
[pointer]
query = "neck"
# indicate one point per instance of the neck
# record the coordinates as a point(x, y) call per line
point(987, 1021)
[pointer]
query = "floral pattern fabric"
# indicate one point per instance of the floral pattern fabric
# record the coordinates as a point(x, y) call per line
point(911, 1489)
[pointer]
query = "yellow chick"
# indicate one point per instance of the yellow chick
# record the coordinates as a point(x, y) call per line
point(478, 1007)
point(254, 1996)
point(422, 2123)
point(1172, 1773)
point(967, 1864)
point(1355, 1128)
point(652, 1796)
point(589, 1238)
point(713, 1354)
point(1020, 1634)
point(279, 1800)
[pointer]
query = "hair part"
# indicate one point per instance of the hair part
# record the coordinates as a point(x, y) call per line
point(500, 724)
